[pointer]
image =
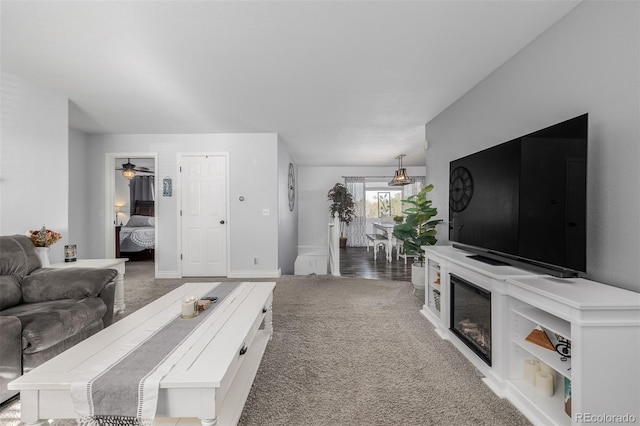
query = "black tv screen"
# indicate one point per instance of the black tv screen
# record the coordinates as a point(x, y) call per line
point(525, 200)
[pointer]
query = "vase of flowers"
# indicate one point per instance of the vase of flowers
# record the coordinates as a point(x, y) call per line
point(42, 239)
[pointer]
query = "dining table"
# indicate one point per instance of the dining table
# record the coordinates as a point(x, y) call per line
point(386, 229)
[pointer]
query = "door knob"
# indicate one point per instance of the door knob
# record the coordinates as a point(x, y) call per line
point(222, 222)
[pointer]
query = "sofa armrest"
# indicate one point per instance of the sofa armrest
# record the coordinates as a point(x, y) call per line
point(108, 295)
point(10, 354)
point(68, 283)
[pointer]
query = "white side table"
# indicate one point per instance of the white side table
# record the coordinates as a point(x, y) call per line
point(117, 264)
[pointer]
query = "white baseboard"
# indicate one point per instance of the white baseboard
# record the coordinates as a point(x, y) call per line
point(170, 275)
point(255, 274)
point(235, 274)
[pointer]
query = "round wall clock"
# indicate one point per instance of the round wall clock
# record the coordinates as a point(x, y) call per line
point(291, 185)
point(460, 189)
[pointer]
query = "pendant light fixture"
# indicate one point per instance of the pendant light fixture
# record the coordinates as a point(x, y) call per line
point(401, 178)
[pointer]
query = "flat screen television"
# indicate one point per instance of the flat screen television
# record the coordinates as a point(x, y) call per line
point(523, 202)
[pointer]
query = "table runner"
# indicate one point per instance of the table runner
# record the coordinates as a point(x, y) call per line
point(125, 391)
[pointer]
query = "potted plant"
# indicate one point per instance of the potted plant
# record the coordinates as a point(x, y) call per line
point(343, 206)
point(418, 230)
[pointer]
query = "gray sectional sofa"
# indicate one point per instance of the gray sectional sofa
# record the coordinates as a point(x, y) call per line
point(43, 312)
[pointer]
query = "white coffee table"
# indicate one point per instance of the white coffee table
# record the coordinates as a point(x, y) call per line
point(117, 264)
point(211, 381)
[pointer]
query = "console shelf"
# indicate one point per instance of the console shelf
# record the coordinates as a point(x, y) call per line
point(542, 318)
point(546, 356)
point(555, 415)
point(524, 319)
point(433, 293)
point(601, 323)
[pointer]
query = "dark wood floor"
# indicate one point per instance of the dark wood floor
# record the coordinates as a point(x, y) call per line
point(356, 262)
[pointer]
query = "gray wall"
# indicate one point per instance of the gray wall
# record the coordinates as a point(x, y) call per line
point(287, 220)
point(34, 161)
point(587, 62)
point(253, 174)
point(78, 193)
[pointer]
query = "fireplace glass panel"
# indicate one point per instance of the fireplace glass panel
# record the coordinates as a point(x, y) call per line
point(471, 316)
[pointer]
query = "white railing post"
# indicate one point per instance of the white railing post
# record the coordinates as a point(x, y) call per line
point(334, 247)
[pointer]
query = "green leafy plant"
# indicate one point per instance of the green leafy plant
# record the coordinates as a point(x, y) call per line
point(418, 229)
point(342, 205)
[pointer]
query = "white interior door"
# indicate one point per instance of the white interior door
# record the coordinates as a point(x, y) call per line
point(204, 215)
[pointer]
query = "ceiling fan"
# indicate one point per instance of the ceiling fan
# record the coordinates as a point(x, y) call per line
point(129, 170)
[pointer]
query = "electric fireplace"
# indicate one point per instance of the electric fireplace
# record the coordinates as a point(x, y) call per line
point(471, 316)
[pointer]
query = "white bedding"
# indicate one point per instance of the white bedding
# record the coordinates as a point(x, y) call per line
point(139, 234)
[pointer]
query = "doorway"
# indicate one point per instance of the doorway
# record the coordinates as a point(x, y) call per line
point(117, 209)
point(204, 214)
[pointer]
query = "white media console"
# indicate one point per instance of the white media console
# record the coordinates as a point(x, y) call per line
point(601, 322)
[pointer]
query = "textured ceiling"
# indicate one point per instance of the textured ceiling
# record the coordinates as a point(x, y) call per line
point(342, 83)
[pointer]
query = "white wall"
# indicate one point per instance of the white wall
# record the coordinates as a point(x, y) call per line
point(78, 192)
point(287, 220)
point(586, 62)
point(252, 173)
point(34, 162)
point(121, 194)
point(314, 183)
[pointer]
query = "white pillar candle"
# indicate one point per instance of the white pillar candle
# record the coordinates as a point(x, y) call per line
point(546, 368)
point(189, 307)
point(531, 367)
point(544, 383)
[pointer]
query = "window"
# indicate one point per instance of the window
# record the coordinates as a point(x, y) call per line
point(382, 198)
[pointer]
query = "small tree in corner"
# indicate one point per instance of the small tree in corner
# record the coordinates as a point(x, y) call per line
point(343, 206)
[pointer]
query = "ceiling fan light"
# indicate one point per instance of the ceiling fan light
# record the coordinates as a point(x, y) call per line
point(129, 173)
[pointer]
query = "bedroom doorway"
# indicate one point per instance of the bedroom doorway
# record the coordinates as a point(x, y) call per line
point(117, 201)
point(203, 213)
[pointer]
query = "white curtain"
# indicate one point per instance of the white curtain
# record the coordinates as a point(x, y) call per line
point(356, 230)
point(413, 188)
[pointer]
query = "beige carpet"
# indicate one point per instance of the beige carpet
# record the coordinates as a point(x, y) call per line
point(348, 351)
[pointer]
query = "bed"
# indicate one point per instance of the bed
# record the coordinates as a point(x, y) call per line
point(136, 240)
